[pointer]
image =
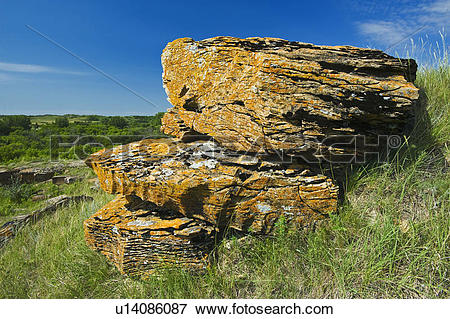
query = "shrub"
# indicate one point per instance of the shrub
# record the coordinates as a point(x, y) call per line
point(18, 192)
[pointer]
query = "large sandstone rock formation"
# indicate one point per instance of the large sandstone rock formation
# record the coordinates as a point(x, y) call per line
point(252, 119)
point(271, 95)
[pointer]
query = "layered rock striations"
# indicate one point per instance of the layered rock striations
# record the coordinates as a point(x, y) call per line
point(201, 180)
point(253, 121)
point(140, 238)
point(271, 95)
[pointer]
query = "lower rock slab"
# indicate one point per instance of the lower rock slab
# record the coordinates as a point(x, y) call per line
point(140, 241)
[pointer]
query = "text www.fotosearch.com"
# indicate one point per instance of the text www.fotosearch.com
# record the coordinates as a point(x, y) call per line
point(247, 309)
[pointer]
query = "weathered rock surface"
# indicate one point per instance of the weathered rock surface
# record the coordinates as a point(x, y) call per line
point(60, 180)
point(204, 181)
point(270, 95)
point(139, 238)
point(9, 230)
point(29, 174)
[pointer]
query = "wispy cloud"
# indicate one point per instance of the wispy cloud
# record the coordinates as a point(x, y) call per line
point(436, 13)
point(34, 68)
point(441, 6)
point(404, 21)
point(383, 32)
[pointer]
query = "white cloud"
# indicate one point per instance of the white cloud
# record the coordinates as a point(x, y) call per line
point(399, 24)
point(436, 13)
point(442, 6)
point(33, 68)
point(383, 32)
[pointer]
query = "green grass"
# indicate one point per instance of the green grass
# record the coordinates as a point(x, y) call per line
point(390, 238)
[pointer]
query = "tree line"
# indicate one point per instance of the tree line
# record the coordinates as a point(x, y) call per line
point(25, 137)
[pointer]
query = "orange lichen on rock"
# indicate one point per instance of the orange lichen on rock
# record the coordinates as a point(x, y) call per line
point(268, 95)
point(204, 181)
point(140, 240)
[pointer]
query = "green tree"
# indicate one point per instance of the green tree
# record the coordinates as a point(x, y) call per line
point(4, 127)
point(92, 118)
point(62, 121)
point(118, 122)
point(12, 122)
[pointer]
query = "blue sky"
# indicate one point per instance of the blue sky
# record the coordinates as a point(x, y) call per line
point(125, 40)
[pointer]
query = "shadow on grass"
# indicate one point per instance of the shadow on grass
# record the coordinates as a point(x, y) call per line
point(418, 143)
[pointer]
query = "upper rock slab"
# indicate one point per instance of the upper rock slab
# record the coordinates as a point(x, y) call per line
point(266, 95)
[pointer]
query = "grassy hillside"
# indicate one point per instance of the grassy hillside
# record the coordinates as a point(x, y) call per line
point(389, 239)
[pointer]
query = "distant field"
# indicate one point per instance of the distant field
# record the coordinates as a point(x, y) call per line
point(41, 119)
